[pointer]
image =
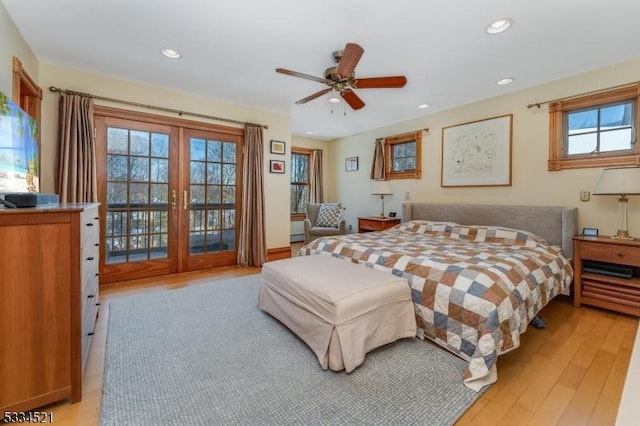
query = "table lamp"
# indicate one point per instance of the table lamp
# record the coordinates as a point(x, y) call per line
point(382, 188)
point(620, 181)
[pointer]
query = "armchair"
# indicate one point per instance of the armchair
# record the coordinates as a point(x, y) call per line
point(323, 219)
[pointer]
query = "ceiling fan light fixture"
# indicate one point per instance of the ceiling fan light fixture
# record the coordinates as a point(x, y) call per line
point(334, 99)
point(171, 53)
point(498, 26)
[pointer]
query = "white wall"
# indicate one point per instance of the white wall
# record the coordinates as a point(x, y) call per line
point(12, 44)
point(276, 186)
point(532, 183)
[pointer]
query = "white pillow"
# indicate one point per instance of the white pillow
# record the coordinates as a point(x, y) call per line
point(329, 215)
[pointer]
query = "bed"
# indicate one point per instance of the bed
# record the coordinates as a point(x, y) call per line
point(478, 273)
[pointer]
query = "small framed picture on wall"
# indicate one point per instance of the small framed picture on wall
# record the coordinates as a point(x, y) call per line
point(278, 147)
point(351, 164)
point(276, 166)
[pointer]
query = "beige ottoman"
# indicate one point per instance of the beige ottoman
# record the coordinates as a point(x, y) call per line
point(342, 310)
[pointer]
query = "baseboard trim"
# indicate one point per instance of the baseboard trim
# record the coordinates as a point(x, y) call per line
point(279, 253)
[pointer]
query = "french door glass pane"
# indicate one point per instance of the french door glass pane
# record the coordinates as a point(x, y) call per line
point(212, 223)
point(137, 225)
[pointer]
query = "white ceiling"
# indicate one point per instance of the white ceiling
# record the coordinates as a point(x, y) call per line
point(231, 48)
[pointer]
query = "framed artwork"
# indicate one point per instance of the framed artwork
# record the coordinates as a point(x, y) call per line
point(351, 164)
point(477, 153)
point(276, 166)
point(278, 147)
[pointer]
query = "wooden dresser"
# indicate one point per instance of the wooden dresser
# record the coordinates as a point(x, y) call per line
point(592, 287)
point(48, 302)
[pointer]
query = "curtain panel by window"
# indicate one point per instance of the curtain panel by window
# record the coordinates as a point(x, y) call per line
point(316, 193)
point(77, 180)
point(252, 245)
point(377, 167)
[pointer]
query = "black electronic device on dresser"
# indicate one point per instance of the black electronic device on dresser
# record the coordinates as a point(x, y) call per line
point(29, 199)
point(606, 268)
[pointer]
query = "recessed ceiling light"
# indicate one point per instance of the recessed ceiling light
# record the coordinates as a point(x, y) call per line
point(504, 81)
point(308, 132)
point(171, 53)
point(423, 106)
point(498, 26)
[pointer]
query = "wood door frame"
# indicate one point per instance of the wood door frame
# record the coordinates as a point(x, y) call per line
point(176, 220)
point(192, 263)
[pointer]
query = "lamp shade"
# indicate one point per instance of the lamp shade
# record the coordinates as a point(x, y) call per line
point(382, 187)
point(619, 181)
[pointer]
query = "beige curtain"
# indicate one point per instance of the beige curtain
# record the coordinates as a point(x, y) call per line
point(315, 178)
point(252, 245)
point(77, 179)
point(377, 168)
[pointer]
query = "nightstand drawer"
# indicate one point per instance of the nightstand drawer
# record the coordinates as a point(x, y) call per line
point(612, 253)
point(368, 224)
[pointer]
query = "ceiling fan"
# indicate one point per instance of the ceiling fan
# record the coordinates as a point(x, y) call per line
point(341, 78)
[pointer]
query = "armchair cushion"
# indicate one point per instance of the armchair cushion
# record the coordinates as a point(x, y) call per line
point(329, 216)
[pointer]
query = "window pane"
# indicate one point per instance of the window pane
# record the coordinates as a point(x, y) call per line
point(139, 193)
point(214, 151)
point(399, 150)
point(582, 121)
point(229, 195)
point(139, 169)
point(228, 174)
point(197, 149)
point(159, 145)
point(616, 116)
point(159, 193)
point(229, 152)
point(139, 143)
point(582, 144)
point(299, 168)
point(615, 140)
point(214, 173)
point(159, 170)
point(117, 141)
point(213, 195)
point(197, 172)
point(116, 193)
point(117, 167)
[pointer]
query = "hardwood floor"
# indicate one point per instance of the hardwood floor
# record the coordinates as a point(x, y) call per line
point(571, 373)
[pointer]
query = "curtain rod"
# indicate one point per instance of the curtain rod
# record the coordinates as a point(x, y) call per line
point(593, 92)
point(426, 129)
point(175, 111)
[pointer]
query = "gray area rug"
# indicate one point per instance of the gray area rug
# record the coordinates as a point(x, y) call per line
point(206, 355)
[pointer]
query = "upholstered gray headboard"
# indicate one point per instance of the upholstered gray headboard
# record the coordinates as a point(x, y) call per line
point(557, 225)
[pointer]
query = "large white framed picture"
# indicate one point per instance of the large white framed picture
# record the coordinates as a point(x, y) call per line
point(477, 153)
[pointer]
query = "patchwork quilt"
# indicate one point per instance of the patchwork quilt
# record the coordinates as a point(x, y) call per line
point(474, 288)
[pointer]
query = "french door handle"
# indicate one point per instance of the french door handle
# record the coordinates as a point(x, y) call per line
point(185, 203)
point(173, 199)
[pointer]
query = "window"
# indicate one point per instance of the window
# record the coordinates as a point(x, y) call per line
point(403, 154)
point(300, 161)
point(596, 130)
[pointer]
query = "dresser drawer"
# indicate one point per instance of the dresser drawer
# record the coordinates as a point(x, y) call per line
point(89, 226)
point(612, 253)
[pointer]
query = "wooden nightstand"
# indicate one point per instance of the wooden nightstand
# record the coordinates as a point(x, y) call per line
point(369, 224)
point(602, 290)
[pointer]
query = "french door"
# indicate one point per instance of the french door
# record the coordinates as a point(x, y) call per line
point(169, 192)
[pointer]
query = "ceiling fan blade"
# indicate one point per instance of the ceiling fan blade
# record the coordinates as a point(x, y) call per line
point(350, 57)
point(352, 99)
point(301, 75)
point(380, 82)
point(312, 97)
